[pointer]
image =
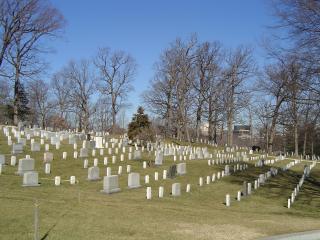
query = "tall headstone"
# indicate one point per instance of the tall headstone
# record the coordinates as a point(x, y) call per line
point(137, 155)
point(227, 170)
point(35, 147)
point(30, 179)
point(176, 189)
point(159, 158)
point(134, 180)
point(25, 165)
point(2, 159)
point(181, 168)
point(17, 148)
point(93, 173)
point(99, 142)
point(47, 157)
point(83, 152)
point(110, 184)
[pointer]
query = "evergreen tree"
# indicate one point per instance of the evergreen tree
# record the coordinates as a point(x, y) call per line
point(140, 126)
point(22, 103)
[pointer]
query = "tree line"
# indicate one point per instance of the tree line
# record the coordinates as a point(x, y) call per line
point(197, 85)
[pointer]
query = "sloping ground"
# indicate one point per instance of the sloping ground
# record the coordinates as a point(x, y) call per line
point(310, 235)
point(82, 212)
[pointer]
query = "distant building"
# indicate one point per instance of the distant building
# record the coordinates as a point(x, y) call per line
point(242, 131)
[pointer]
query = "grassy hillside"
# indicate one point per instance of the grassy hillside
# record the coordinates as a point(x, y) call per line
point(81, 212)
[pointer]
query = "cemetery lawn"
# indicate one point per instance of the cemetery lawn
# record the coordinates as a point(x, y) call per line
point(81, 212)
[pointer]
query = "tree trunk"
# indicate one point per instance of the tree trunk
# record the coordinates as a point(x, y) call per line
point(198, 123)
point(305, 142)
point(229, 126)
point(273, 124)
point(16, 95)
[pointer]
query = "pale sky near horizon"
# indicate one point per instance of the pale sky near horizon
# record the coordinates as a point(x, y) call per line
point(145, 28)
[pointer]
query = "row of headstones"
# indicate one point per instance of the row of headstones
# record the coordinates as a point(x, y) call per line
point(247, 187)
point(296, 190)
point(223, 173)
point(27, 165)
point(175, 191)
point(213, 162)
point(290, 164)
point(94, 172)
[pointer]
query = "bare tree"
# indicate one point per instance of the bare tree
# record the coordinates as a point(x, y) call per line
point(40, 101)
point(207, 70)
point(80, 76)
point(62, 88)
point(240, 67)
point(116, 72)
point(38, 20)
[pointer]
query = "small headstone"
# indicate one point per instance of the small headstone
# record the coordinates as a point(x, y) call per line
point(161, 191)
point(188, 188)
point(13, 160)
point(57, 181)
point(228, 200)
point(249, 188)
point(108, 173)
point(239, 196)
point(95, 162)
point(146, 179)
point(72, 180)
point(47, 168)
point(149, 193)
point(85, 163)
point(200, 181)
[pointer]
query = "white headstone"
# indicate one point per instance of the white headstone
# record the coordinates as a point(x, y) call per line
point(110, 184)
point(161, 191)
point(93, 173)
point(25, 165)
point(30, 179)
point(146, 179)
point(57, 180)
point(149, 193)
point(176, 190)
point(72, 180)
point(134, 180)
point(47, 168)
point(13, 160)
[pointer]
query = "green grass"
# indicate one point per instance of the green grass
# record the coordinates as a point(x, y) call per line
point(200, 214)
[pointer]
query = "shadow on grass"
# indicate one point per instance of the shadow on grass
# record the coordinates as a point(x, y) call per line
point(279, 188)
point(53, 226)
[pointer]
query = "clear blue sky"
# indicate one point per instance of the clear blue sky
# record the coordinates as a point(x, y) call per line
point(145, 27)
